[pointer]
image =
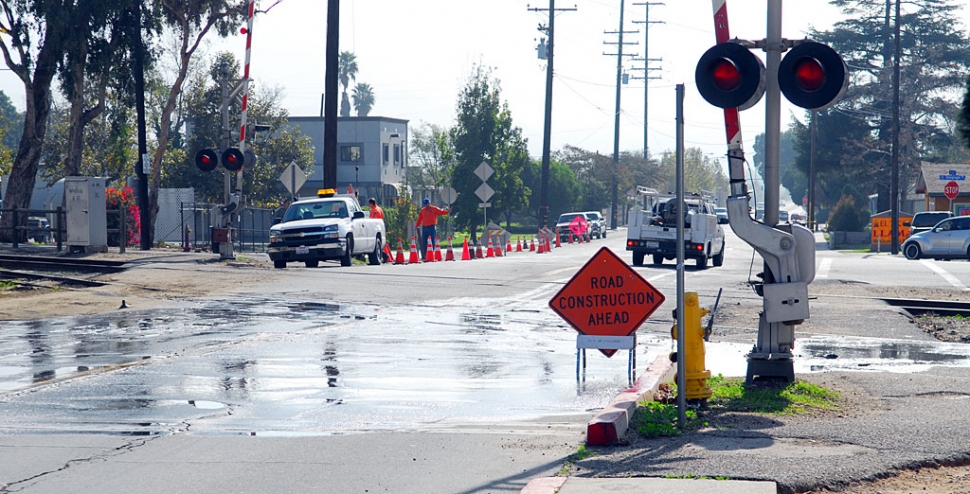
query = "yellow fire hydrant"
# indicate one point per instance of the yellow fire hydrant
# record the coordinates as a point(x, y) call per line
point(696, 374)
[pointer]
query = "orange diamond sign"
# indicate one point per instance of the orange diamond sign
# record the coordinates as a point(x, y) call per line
point(606, 298)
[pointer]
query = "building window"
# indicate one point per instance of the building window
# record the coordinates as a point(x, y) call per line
point(387, 158)
point(397, 154)
point(350, 153)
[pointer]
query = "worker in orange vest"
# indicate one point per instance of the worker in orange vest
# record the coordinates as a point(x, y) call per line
point(428, 223)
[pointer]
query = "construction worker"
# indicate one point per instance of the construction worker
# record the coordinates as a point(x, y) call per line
point(428, 223)
point(375, 211)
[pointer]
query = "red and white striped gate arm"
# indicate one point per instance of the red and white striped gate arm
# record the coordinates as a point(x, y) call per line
point(722, 33)
point(245, 96)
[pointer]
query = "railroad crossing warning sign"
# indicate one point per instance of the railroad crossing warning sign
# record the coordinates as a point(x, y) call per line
point(606, 298)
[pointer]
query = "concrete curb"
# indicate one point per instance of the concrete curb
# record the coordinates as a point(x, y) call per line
point(611, 423)
point(585, 485)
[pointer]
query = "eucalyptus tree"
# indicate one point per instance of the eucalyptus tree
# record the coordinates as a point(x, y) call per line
point(935, 58)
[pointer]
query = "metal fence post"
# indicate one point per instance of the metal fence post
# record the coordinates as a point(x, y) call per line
point(123, 240)
point(59, 227)
point(16, 227)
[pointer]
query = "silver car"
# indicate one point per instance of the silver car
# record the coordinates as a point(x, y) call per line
point(949, 239)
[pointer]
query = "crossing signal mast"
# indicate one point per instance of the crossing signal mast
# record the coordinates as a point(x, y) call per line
point(232, 159)
point(729, 76)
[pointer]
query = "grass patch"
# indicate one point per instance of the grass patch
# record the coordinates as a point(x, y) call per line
point(798, 397)
point(659, 419)
point(7, 285)
point(581, 454)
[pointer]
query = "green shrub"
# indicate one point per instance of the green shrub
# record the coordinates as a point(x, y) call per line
point(846, 217)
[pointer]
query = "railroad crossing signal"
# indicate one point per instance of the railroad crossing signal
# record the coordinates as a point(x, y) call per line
point(232, 159)
point(812, 76)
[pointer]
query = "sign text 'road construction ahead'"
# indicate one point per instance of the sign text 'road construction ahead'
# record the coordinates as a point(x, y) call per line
point(606, 298)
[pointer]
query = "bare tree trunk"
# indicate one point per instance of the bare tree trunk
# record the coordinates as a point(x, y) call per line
point(24, 170)
point(75, 134)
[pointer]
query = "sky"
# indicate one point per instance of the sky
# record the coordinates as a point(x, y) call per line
point(418, 54)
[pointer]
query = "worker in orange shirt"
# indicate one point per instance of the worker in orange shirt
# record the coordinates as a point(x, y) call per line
point(375, 211)
point(428, 223)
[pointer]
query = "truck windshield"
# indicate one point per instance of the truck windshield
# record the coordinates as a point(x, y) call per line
point(316, 209)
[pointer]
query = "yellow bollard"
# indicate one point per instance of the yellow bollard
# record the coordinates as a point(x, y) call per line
point(694, 365)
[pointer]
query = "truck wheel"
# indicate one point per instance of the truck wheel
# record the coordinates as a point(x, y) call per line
point(603, 233)
point(658, 259)
point(312, 264)
point(638, 258)
point(347, 258)
point(279, 264)
point(374, 258)
point(702, 262)
point(719, 258)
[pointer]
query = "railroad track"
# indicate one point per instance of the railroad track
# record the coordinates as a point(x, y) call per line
point(918, 307)
point(47, 263)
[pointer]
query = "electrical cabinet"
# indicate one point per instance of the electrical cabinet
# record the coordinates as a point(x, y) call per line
point(86, 207)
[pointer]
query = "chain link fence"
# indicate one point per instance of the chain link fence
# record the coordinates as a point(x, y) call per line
point(196, 220)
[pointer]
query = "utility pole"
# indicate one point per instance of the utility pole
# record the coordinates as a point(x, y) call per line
point(616, 118)
point(330, 96)
point(547, 131)
point(646, 69)
point(143, 170)
point(894, 181)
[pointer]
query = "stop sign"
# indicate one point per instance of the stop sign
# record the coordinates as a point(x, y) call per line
point(951, 190)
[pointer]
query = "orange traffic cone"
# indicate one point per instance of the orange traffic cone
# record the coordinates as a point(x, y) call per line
point(508, 245)
point(399, 258)
point(413, 256)
point(558, 245)
point(570, 236)
point(518, 244)
point(542, 245)
point(450, 254)
point(386, 253)
point(429, 252)
point(491, 250)
point(532, 246)
point(478, 250)
point(498, 248)
point(548, 245)
point(465, 254)
point(437, 249)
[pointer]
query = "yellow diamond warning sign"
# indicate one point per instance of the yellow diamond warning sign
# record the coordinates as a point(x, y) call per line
point(606, 298)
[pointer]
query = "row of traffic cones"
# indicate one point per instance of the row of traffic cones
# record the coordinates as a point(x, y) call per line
point(433, 251)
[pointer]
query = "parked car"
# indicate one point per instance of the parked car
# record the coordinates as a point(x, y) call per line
point(39, 229)
point(597, 225)
point(722, 216)
point(565, 219)
point(926, 220)
point(798, 218)
point(949, 239)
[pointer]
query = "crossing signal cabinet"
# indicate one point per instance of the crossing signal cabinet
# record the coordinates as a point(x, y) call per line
point(86, 207)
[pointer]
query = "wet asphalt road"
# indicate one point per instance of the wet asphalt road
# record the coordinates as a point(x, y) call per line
point(470, 353)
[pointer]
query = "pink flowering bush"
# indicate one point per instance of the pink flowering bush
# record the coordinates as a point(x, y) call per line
point(122, 199)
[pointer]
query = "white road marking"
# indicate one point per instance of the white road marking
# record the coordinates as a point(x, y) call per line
point(661, 276)
point(946, 276)
point(823, 268)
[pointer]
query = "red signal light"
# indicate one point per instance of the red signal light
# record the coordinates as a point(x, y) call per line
point(207, 160)
point(232, 159)
point(726, 75)
point(809, 74)
point(813, 76)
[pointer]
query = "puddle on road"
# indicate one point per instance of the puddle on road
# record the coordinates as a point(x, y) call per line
point(305, 367)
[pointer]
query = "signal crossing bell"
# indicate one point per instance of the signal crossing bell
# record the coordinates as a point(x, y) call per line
point(728, 75)
point(813, 76)
point(207, 159)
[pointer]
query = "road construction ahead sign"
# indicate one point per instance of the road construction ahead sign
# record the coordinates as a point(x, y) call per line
point(606, 298)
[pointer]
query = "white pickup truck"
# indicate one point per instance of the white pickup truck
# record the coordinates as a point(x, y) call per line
point(326, 228)
point(653, 231)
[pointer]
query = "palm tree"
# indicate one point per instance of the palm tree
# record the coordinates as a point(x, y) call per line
point(364, 98)
point(346, 71)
